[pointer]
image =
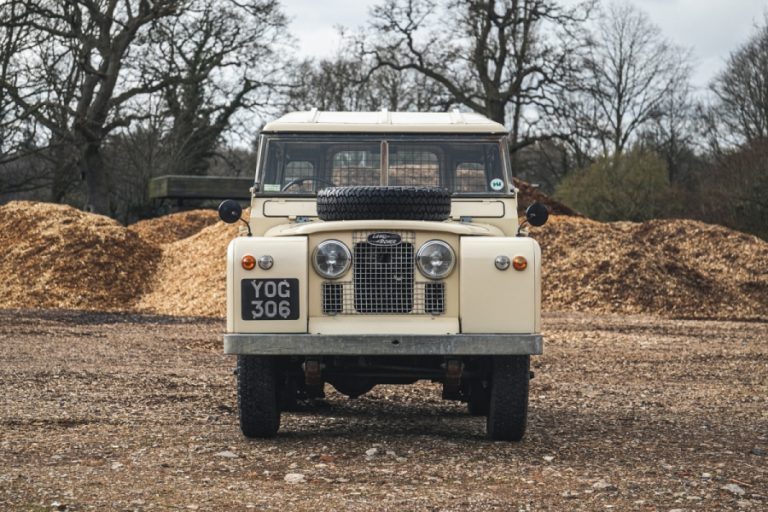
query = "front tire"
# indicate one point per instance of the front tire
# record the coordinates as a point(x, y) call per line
point(508, 412)
point(257, 396)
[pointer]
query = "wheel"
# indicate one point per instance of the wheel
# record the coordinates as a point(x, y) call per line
point(257, 396)
point(479, 399)
point(508, 412)
point(370, 203)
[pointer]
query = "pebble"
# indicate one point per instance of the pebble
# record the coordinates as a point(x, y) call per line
point(602, 485)
point(734, 489)
point(294, 478)
point(758, 451)
point(227, 454)
point(371, 452)
point(548, 458)
point(570, 494)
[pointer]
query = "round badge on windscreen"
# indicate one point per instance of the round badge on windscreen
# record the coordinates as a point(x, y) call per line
point(497, 184)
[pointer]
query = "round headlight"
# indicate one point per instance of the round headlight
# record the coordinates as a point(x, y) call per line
point(435, 259)
point(331, 259)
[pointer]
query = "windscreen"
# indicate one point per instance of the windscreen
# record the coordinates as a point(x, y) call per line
point(303, 164)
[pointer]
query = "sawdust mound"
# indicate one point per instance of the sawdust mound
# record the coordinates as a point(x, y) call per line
point(191, 279)
point(175, 226)
point(675, 268)
point(56, 256)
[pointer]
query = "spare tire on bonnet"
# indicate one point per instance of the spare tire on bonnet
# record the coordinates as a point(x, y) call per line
point(372, 203)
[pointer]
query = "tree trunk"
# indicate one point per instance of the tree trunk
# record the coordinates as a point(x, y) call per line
point(496, 110)
point(96, 181)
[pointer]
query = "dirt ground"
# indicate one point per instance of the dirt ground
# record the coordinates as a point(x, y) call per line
point(128, 412)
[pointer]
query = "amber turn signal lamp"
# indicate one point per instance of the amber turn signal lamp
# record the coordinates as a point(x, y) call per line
point(248, 262)
point(519, 263)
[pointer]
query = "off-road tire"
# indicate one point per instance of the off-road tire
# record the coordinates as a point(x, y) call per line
point(257, 396)
point(508, 413)
point(392, 203)
point(479, 400)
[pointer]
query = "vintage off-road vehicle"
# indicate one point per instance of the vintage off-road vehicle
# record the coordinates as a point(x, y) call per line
point(383, 248)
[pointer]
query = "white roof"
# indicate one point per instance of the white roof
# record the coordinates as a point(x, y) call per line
point(384, 121)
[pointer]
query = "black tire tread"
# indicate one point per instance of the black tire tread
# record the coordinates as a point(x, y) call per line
point(508, 413)
point(392, 203)
point(257, 396)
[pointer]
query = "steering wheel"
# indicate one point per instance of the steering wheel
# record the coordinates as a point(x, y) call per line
point(299, 181)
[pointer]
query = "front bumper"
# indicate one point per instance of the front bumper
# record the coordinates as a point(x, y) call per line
point(384, 345)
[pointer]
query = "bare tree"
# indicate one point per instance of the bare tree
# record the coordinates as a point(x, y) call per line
point(500, 58)
point(226, 56)
point(351, 80)
point(741, 91)
point(72, 82)
point(345, 82)
point(336, 83)
point(672, 135)
point(631, 73)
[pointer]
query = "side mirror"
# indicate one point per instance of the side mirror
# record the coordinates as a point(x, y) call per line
point(537, 214)
point(230, 211)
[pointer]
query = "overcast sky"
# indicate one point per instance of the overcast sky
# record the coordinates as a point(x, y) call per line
point(712, 28)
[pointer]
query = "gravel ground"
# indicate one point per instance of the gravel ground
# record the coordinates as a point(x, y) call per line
point(126, 412)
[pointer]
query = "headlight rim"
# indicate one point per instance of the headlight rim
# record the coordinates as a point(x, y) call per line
point(423, 247)
point(347, 252)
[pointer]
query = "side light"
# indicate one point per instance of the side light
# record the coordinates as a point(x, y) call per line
point(266, 262)
point(248, 262)
point(519, 263)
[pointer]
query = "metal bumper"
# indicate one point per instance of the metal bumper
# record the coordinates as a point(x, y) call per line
point(374, 345)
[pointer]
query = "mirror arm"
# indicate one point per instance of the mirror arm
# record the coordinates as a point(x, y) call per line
point(248, 225)
point(522, 226)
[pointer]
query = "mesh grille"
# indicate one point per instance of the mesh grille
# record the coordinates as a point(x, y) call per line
point(383, 281)
point(434, 298)
point(383, 278)
point(340, 299)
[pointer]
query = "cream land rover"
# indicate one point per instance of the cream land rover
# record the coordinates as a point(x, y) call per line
point(383, 248)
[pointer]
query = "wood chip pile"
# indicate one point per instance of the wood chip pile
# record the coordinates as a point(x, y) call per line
point(56, 256)
point(191, 279)
point(173, 227)
point(674, 268)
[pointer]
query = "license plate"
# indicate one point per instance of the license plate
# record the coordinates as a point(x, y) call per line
point(270, 299)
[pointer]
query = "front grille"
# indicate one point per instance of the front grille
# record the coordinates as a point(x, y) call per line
point(339, 299)
point(434, 298)
point(333, 298)
point(383, 282)
point(383, 278)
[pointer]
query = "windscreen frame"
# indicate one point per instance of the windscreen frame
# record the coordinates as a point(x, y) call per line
point(384, 140)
